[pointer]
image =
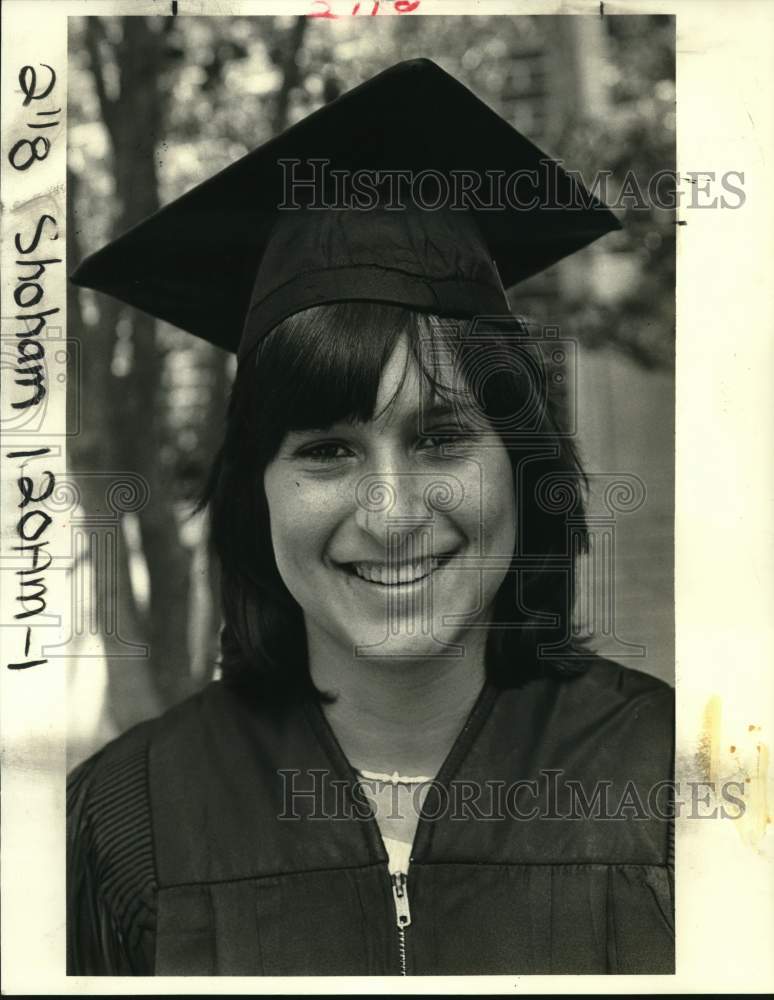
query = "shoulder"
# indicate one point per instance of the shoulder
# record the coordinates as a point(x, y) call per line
point(122, 763)
point(608, 692)
point(595, 704)
point(107, 794)
point(112, 833)
point(123, 799)
point(623, 716)
point(614, 683)
point(112, 878)
point(109, 801)
point(609, 720)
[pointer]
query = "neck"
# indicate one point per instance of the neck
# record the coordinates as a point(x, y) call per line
point(394, 714)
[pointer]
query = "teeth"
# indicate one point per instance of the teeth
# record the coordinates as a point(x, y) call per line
point(390, 575)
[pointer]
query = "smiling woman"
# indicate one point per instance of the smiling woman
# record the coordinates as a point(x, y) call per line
point(344, 562)
point(380, 455)
point(397, 594)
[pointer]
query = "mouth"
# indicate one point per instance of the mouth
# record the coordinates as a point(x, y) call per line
point(394, 575)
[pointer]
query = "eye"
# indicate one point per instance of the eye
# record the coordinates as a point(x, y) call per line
point(325, 451)
point(439, 437)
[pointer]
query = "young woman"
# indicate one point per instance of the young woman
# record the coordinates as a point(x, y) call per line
point(406, 766)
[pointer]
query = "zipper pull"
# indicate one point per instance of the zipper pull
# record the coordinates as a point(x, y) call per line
point(400, 895)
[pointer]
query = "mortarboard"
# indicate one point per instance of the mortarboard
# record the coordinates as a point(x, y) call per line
point(407, 189)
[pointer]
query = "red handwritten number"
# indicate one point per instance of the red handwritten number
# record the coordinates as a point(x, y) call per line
point(401, 7)
point(326, 12)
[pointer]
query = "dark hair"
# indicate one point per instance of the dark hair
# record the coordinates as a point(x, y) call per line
point(324, 365)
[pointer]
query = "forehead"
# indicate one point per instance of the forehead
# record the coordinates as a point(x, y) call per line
point(405, 391)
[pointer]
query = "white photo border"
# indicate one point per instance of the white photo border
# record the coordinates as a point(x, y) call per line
point(724, 491)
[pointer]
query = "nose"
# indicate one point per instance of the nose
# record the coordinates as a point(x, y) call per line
point(392, 506)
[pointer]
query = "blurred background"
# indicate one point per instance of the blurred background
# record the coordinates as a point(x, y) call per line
point(158, 104)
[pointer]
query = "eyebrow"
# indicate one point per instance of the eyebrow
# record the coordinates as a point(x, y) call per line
point(434, 411)
point(462, 408)
point(440, 410)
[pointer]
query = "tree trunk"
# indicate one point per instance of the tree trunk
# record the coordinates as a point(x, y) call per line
point(132, 694)
point(134, 119)
point(291, 75)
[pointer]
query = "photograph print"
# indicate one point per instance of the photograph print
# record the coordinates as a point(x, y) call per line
point(372, 324)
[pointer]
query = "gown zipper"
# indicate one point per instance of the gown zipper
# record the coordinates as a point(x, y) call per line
point(478, 715)
point(402, 914)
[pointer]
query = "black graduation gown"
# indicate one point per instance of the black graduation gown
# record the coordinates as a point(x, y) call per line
point(182, 858)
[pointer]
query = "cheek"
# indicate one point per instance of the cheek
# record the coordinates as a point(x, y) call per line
point(498, 504)
point(302, 515)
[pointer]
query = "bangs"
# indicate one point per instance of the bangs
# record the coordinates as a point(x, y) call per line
point(325, 365)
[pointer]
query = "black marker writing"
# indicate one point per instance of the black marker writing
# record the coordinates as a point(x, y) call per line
point(28, 294)
point(28, 151)
point(30, 530)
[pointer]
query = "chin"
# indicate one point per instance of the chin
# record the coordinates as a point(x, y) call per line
point(377, 645)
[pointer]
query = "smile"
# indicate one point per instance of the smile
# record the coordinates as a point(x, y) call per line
point(395, 574)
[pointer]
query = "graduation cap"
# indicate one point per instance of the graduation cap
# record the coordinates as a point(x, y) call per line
point(374, 197)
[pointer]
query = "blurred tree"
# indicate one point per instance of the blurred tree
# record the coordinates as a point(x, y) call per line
point(631, 135)
point(127, 60)
point(168, 426)
point(132, 692)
